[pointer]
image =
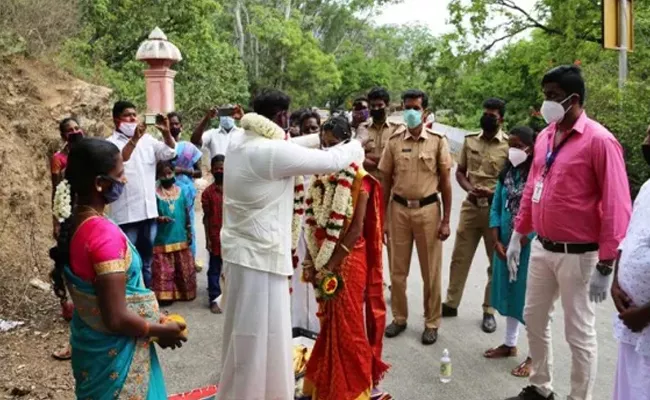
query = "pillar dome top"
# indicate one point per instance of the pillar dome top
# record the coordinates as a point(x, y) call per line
point(157, 47)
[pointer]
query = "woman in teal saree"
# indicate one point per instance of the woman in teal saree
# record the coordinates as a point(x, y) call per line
point(116, 316)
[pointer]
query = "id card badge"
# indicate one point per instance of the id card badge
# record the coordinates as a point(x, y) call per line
point(537, 192)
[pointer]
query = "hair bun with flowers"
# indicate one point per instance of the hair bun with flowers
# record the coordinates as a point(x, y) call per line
point(62, 208)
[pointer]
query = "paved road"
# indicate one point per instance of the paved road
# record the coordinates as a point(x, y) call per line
point(414, 373)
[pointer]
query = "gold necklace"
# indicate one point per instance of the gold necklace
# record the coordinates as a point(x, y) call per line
point(167, 197)
point(88, 210)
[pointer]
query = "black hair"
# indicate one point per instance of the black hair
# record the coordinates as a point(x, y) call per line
point(120, 106)
point(175, 114)
point(379, 93)
point(270, 102)
point(162, 165)
point(307, 115)
point(339, 126)
point(360, 100)
point(65, 122)
point(416, 94)
point(569, 78)
point(495, 104)
point(88, 158)
point(294, 119)
point(217, 158)
point(528, 136)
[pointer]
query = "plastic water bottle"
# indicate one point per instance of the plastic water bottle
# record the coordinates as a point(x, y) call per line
point(445, 367)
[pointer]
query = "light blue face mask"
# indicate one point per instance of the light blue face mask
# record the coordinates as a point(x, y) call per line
point(413, 118)
point(227, 123)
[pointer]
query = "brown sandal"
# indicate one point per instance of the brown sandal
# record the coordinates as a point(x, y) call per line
point(523, 369)
point(502, 351)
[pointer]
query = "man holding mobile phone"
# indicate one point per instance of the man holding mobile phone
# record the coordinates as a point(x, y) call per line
point(215, 140)
point(135, 211)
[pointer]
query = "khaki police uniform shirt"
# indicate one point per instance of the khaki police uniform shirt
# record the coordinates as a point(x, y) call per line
point(484, 159)
point(415, 164)
point(380, 137)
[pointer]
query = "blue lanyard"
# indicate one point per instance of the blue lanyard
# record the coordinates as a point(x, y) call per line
point(551, 155)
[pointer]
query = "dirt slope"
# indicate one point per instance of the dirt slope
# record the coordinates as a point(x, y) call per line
point(33, 97)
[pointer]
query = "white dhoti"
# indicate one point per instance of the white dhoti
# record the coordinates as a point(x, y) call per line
point(632, 374)
point(257, 344)
point(303, 298)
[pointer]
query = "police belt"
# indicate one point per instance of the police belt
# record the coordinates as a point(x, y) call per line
point(416, 203)
point(567, 248)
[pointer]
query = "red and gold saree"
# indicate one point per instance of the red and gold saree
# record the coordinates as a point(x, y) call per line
point(346, 363)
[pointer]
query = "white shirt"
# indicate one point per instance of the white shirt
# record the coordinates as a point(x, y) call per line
point(138, 201)
point(216, 140)
point(259, 193)
point(634, 269)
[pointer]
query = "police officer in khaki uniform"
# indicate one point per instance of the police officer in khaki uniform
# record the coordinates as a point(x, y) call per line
point(379, 130)
point(416, 168)
point(482, 158)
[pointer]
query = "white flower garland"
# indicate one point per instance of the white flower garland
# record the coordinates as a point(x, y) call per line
point(298, 213)
point(61, 207)
point(329, 204)
point(262, 126)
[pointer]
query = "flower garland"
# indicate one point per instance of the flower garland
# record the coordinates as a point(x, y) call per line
point(329, 203)
point(61, 207)
point(298, 213)
point(262, 126)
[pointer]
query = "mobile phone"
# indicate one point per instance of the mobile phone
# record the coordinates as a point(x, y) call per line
point(226, 111)
point(159, 119)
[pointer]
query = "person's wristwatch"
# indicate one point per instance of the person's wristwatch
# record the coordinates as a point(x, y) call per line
point(605, 267)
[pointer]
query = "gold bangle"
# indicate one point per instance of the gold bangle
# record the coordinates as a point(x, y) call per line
point(146, 329)
point(345, 248)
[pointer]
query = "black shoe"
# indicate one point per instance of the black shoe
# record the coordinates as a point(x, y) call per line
point(448, 311)
point(530, 393)
point(489, 324)
point(429, 336)
point(394, 330)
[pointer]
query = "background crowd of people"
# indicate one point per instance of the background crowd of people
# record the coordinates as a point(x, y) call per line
point(551, 207)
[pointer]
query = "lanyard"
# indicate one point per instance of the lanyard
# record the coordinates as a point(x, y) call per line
point(551, 155)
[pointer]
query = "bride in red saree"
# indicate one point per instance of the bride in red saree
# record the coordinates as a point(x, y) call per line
point(344, 231)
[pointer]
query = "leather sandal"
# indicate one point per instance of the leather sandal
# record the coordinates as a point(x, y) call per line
point(502, 351)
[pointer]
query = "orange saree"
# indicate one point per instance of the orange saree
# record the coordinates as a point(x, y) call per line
point(345, 363)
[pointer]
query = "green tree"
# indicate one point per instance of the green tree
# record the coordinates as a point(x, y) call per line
point(210, 73)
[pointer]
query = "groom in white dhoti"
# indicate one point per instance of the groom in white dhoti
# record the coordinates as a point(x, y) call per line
point(256, 247)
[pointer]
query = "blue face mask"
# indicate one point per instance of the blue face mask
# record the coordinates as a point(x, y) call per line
point(413, 118)
point(227, 123)
point(115, 191)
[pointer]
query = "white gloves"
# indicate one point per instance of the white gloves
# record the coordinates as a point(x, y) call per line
point(599, 286)
point(512, 255)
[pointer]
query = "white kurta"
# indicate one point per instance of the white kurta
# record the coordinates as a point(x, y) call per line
point(256, 250)
point(633, 369)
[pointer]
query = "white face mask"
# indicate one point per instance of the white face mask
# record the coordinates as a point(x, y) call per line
point(128, 128)
point(552, 111)
point(517, 156)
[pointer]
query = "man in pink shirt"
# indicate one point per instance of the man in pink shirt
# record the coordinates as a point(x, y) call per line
point(578, 201)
